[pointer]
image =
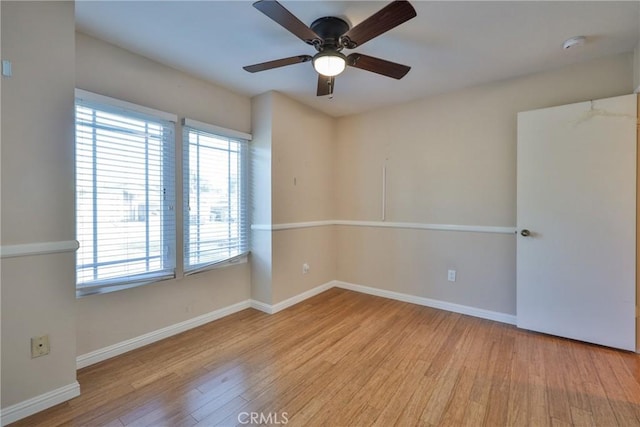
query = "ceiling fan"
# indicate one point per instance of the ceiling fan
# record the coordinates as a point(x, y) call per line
point(329, 35)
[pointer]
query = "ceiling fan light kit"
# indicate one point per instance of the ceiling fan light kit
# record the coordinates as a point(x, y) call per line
point(329, 63)
point(329, 35)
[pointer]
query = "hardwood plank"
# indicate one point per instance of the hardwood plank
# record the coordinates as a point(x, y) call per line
point(453, 414)
point(230, 408)
point(518, 403)
point(114, 423)
point(395, 405)
point(558, 398)
point(497, 410)
point(625, 409)
point(447, 368)
point(172, 410)
point(580, 418)
point(275, 397)
point(343, 358)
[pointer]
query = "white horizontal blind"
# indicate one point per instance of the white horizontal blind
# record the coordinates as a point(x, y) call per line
point(216, 226)
point(125, 197)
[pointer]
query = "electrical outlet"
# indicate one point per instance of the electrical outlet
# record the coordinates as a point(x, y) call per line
point(305, 268)
point(451, 275)
point(39, 346)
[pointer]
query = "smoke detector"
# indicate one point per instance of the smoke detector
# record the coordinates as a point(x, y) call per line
point(574, 42)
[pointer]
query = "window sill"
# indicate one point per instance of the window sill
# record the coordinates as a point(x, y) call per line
point(240, 259)
point(88, 291)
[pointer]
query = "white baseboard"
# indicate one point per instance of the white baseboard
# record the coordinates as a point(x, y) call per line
point(272, 309)
point(428, 302)
point(142, 340)
point(303, 296)
point(39, 403)
point(261, 306)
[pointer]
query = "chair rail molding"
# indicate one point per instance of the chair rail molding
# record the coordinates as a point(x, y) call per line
point(384, 224)
point(41, 248)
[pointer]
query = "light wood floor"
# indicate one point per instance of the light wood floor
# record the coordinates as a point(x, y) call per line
point(348, 359)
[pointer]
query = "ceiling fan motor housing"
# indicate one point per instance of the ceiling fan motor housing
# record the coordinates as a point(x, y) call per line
point(330, 28)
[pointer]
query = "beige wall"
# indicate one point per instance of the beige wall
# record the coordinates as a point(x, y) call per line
point(261, 253)
point(108, 319)
point(261, 158)
point(302, 162)
point(109, 70)
point(38, 292)
point(291, 249)
point(415, 262)
point(450, 159)
point(302, 187)
point(297, 146)
point(303, 151)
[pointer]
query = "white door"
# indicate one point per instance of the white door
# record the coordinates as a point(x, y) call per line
point(577, 203)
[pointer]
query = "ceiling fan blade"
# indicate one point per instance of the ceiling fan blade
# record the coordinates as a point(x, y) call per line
point(277, 63)
point(377, 65)
point(325, 85)
point(390, 16)
point(282, 16)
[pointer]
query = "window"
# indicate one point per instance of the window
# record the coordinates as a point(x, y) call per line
point(125, 194)
point(215, 195)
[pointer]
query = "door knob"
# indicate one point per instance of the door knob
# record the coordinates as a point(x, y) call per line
point(525, 233)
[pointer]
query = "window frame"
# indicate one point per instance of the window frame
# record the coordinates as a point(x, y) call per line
point(241, 138)
point(169, 228)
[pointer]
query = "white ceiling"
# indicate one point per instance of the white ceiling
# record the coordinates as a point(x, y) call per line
point(449, 45)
